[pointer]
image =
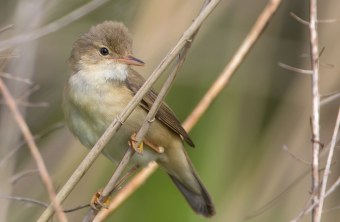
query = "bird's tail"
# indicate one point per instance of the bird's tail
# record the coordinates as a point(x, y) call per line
point(200, 202)
point(187, 181)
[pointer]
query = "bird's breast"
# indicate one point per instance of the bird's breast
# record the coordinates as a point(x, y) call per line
point(89, 109)
point(99, 98)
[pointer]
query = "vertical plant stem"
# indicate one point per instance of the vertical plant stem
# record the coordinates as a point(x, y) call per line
point(328, 164)
point(316, 212)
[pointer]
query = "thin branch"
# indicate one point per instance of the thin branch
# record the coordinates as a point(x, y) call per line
point(5, 28)
point(314, 46)
point(16, 78)
point(294, 69)
point(110, 187)
point(26, 200)
point(29, 92)
point(304, 22)
point(329, 98)
point(327, 20)
point(53, 26)
point(331, 209)
point(34, 150)
point(40, 203)
point(275, 200)
point(117, 122)
point(23, 174)
point(9, 56)
point(297, 18)
point(22, 99)
point(127, 190)
point(235, 62)
point(38, 136)
point(220, 83)
point(285, 148)
point(29, 104)
point(328, 163)
point(315, 204)
point(76, 208)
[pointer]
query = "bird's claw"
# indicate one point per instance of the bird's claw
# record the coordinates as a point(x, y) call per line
point(96, 204)
point(133, 144)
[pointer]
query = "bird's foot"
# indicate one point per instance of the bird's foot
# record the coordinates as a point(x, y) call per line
point(133, 144)
point(96, 204)
point(139, 149)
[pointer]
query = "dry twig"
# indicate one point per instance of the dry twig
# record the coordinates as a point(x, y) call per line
point(314, 46)
point(15, 78)
point(294, 69)
point(311, 205)
point(36, 137)
point(306, 172)
point(328, 164)
point(329, 98)
point(304, 22)
point(51, 27)
point(5, 28)
point(34, 150)
point(23, 174)
point(26, 200)
point(298, 159)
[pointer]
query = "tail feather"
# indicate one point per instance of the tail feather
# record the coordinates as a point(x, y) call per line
point(181, 171)
point(200, 202)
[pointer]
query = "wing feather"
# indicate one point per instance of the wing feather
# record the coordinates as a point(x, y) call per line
point(134, 81)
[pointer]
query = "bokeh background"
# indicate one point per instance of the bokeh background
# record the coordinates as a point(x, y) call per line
point(239, 140)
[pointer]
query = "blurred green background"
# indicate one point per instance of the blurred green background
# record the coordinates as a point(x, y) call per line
point(239, 141)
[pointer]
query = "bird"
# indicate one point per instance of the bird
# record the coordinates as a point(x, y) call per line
point(101, 84)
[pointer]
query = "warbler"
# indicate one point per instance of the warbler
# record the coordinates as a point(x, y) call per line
point(101, 85)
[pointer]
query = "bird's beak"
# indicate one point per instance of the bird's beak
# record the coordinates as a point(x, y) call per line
point(130, 60)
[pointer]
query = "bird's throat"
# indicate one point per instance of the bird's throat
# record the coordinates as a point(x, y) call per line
point(104, 72)
point(118, 72)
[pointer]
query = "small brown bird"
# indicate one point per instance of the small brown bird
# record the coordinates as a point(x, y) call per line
point(101, 85)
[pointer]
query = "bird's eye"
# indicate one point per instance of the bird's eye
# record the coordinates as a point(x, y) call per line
point(104, 51)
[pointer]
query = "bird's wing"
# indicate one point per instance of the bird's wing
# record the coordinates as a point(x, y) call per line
point(164, 114)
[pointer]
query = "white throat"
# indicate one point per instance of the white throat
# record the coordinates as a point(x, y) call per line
point(116, 71)
point(119, 72)
point(103, 72)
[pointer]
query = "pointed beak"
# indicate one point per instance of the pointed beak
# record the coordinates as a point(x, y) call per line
point(130, 60)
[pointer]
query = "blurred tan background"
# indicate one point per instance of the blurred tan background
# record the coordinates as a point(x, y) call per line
point(239, 141)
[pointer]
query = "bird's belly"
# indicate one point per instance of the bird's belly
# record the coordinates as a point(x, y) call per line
point(88, 121)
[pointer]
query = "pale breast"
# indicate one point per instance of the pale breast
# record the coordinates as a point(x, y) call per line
point(89, 109)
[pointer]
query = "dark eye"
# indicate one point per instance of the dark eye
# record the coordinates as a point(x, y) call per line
point(104, 51)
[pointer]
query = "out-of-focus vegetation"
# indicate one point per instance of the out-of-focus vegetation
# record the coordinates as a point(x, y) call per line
point(240, 139)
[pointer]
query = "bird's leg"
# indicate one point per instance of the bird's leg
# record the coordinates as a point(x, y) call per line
point(133, 144)
point(158, 149)
point(95, 201)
